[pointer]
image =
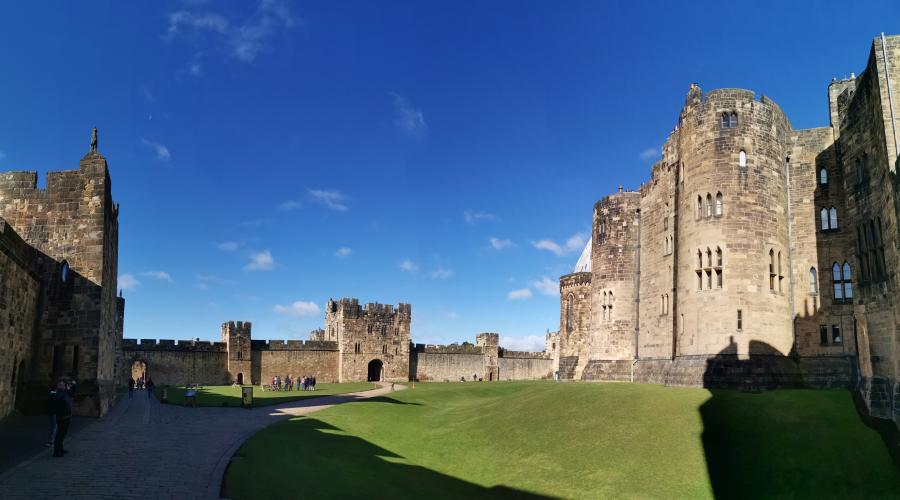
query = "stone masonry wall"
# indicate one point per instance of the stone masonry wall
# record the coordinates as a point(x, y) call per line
point(19, 289)
point(574, 321)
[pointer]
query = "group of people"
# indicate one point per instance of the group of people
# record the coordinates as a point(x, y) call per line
point(59, 407)
point(289, 382)
point(140, 384)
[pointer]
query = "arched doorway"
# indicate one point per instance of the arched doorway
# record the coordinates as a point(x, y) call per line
point(139, 370)
point(20, 385)
point(240, 379)
point(376, 370)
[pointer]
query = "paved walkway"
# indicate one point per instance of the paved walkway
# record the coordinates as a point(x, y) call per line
point(143, 449)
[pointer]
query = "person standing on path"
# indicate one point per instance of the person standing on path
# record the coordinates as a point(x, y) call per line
point(50, 401)
point(62, 412)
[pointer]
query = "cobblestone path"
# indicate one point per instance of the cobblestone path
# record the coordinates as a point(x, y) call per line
point(144, 449)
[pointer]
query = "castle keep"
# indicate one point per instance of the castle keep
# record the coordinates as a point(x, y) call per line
point(58, 266)
point(756, 253)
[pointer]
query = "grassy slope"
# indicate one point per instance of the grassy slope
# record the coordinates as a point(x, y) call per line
point(231, 395)
point(570, 440)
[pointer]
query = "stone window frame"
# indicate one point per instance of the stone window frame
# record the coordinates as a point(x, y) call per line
point(823, 335)
point(742, 158)
point(64, 271)
point(813, 281)
point(842, 283)
point(740, 320)
point(837, 337)
point(823, 176)
point(720, 205)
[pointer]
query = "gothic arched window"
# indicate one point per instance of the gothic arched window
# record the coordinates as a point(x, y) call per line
point(823, 176)
point(719, 208)
point(742, 159)
point(813, 280)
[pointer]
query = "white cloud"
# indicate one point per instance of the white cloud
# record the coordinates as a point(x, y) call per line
point(409, 266)
point(472, 217)
point(520, 294)
point(298, 309)
point(452, 315)
point(128, 282)
point(546, 286)
point(441, 274)
point(409, 118)
point(261, 261)
point(289, 205)
point(343, 252)
point(226, 246)
point(575, 243)
point(202, 286)
point(649, 154)
point(158, 275)
point(499, 244)
point(244, 40)
point(528, 343)
point(334, 200)
point(161, 151)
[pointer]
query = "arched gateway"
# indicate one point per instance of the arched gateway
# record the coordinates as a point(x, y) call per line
point(376, 370)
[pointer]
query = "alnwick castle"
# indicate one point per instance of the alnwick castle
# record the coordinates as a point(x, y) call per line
point(756, 256)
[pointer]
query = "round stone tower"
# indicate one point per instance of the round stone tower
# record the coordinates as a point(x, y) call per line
point(732, 251)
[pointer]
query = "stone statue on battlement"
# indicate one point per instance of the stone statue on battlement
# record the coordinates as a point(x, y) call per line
point(94, 140)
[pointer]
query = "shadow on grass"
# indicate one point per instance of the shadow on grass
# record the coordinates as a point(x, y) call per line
point(786, 443)
point(308, 458)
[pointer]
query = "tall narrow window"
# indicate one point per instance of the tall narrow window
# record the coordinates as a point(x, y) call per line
point(708, 258)
point(823, 335)
point(848, 286)
point(740, 320)
point(570, 313)
point(709, 208)
point(823, 176)
point(732, 122)
point(64, 273)
point(772, 270)
point(813, 280)
point(742, 159)
point(699, 259)
point(699, 206)
point(726, 123)
point(863, 254)
point(832, 216)
point(780, 276)
point(823, 215)
point(718, 257)
point(708, 280)
point(838, 282)
point(836, 334)
point(719, 208)
point(718, 278)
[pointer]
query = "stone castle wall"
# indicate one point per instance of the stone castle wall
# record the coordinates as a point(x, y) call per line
point(72, 225)
point(370, 334)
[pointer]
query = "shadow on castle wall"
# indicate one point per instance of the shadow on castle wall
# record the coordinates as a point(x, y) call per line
point(343, 466)
point(752, 436)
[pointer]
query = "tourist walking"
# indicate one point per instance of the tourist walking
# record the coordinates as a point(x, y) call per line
point(313, 383)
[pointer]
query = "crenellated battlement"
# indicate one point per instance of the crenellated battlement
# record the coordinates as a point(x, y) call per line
point(350, 308)
point(574, 279)
point(173, 345)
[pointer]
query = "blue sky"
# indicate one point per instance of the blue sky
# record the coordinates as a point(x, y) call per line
point(270, 155)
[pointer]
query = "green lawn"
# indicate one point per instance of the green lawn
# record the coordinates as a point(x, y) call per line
point(226, 395)
point(574, 440)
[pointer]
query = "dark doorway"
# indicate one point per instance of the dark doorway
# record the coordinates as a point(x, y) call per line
point(375, 370)
point(20, 385)
point(240, 379)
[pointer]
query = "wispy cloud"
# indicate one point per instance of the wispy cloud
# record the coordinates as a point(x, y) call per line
point(335, 200)
point(226, 246)
point(160, 150)
point(409, 118)
point(213, 279)
point(343, 252)
point(158, 275)
point(575, 243)
point(528, 343)
point(441, 273)
point(649, 154)
point(289, 205)
point(409, 266)
point(202, 286)
point(499, 244)
point(520, 294)
point(452, 315)
point(243, 39)
point(546, 286)
point(298, 309)
point(128, 282)
point(262, 261)
point(473, 217)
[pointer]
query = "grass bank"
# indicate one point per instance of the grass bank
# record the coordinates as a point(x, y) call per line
point(227, 395)
point(534, 439)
